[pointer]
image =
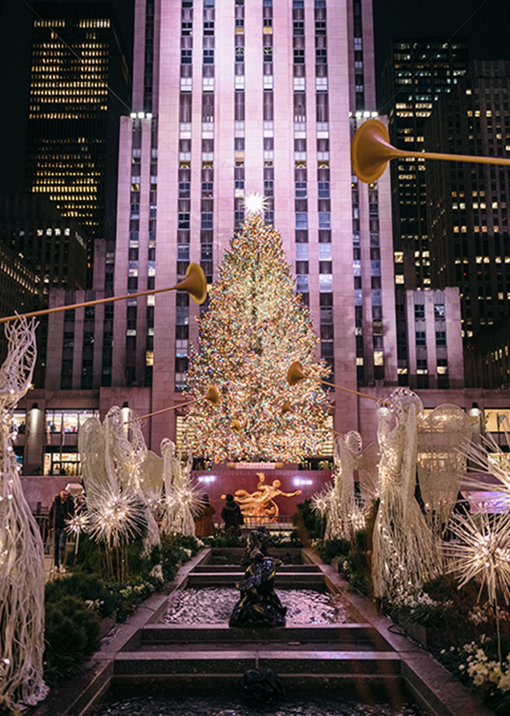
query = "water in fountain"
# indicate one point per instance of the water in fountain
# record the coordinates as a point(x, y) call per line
point(213, 605)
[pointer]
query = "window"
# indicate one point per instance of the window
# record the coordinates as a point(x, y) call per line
point(240, 54)
point(324, 220)
point(186, 57)
point(419, 312)
point(299, 56)
point(182, 252)
point(323, 188)
point(321, 56)
point(420, 338)
point(301, 221)
point(302, 283)
point(207, 220)
point(301, 190)
point(439, 311)
point(208, 57)
point(183, 221)
point(440, 338)
point(325, 282)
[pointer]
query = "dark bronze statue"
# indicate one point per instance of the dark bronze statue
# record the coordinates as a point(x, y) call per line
point(258, 606)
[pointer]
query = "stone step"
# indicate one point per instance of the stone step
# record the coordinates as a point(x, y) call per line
point(286, 580)
point(358, 635)
point(335, 662)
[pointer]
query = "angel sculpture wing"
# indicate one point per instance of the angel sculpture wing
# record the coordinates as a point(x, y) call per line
point(440, 463)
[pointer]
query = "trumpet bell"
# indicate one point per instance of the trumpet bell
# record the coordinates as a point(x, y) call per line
point(295, 373)
point(286, 407)
point(371, 150)
point(235, 425)
point(212, 396)
point(195, 283)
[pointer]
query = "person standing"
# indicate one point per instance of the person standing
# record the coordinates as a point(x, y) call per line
point(231, 514)
point(204, 526)
point(61, 511)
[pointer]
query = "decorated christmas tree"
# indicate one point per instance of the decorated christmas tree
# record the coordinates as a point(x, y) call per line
point(254, 329)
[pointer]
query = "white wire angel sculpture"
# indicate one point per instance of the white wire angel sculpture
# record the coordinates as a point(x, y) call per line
point(182, 496)
point(21, 546)
point(404, 548)
point(121, 491)
point(344, 510)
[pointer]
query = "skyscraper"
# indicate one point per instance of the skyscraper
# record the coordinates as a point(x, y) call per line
point(252, 97)
point(418, 71)
point(79, 86)
point(468, 215)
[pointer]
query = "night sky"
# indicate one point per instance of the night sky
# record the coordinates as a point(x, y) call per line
point(485, 22)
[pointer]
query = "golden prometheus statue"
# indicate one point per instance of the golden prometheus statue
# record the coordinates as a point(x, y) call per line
point(260, 504)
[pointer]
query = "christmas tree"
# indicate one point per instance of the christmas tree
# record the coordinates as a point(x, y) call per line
point(254, 329)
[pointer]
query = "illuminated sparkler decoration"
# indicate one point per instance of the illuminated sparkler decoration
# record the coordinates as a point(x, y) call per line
point(482, 553)
point(21, 546)
point(118, 519)
point(76, 525)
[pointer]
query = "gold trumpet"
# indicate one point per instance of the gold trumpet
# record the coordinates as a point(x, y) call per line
point(235, 425)
point(296, 374)
point(194, 283)
point(371, 151)
point(212, 396)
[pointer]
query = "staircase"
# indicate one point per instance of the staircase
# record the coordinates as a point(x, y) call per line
point(342, 654)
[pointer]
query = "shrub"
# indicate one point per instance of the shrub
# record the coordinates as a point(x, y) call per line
point(71, 635)
point(309, 524)
point(333, 548)
point(84, 586)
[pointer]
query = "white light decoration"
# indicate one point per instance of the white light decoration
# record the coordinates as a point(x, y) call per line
point(482, 553)
point(21, 546)
point(255, 203)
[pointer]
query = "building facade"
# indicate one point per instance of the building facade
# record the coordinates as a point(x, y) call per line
point(417, 72)
point(53, 253)
point(254, 97)
point(79, 87)
point(467, 203)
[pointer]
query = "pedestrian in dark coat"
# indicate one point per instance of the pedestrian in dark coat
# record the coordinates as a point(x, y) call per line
point(231, 514)
point(61, 512)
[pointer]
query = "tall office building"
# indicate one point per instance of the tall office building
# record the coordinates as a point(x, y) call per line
point(467, 203)
point(79, 87)
point(417, 72)
point(232, 97)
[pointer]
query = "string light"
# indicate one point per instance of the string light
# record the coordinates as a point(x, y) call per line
point(254, 328)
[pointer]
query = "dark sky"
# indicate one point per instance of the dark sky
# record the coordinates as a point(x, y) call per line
point(485, 22)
